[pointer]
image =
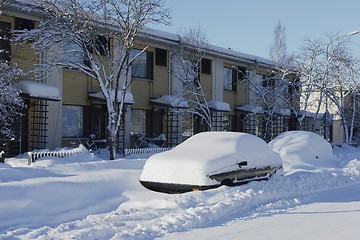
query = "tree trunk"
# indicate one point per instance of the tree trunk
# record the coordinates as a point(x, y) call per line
point(112, 145)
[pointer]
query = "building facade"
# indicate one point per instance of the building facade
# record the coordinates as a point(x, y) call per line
point(67, 106)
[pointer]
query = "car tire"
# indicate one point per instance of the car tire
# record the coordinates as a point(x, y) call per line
point(227, 182)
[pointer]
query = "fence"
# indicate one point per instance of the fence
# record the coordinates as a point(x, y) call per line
point(32, 156)
point(2, 156)
point(130, 151)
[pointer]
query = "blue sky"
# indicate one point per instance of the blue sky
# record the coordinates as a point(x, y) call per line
point(248, 25)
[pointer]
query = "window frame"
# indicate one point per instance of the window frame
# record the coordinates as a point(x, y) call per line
point(206, 66)
point(5, 45)
point(161, 58)
point(24, 24)
point(148, 65)
point(232, 82)
point(74, 121)
point(102, 44)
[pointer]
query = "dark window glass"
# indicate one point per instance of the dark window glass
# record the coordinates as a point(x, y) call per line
point(241, 73)
point(268, 81)
point(206, 66)
point(160, 57)
point(142, 66)
point(230, 79)
point(22, 24)
point(5, 47)
point(102, 44)
point(227, 79)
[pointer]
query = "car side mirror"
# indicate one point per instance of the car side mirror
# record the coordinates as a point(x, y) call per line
point(244, 163)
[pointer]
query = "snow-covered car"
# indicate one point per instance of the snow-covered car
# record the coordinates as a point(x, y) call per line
point(208, 160)
point(302, 150)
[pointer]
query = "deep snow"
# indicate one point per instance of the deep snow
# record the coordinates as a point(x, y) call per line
point(86, 197)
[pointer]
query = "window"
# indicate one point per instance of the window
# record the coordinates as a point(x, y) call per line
point(5, 47)
point(72, 121)
point(24, 24)
point(228, 122)
point(98, 121)
point(73, 52)
point(268, 81)
point(142, 66)
point(102, 44)
point(138, 121)
point(229, 79)
point(206, 66)
point(160, 57)
point(241, 73)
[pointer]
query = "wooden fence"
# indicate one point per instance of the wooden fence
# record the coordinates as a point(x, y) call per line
point(130, 151)
point(2, 156)
point(32, 156)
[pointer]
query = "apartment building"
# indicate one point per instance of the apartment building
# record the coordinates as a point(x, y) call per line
point(67, 106)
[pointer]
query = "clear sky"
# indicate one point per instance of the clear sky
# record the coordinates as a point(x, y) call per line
point(248, 25)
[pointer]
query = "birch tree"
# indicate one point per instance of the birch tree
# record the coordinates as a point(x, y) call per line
point(187, 57)
point(84, 32)
point(329, 74)
point(278, 49)
point(272, 90)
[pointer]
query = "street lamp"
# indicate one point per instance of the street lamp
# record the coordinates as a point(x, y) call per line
point(353, 33)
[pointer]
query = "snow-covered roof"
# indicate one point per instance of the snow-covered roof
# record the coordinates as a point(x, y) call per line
point(250, 108)
point(253, 108)
point(170, 38)
point(219, 106)
point(320, 115)
point(26, 6)
point(162, 37)
point(129, 98)
point(39, 90)
point(171, 101)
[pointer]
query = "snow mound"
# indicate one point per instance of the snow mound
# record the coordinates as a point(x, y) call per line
point(301, 150)
point(206, 154)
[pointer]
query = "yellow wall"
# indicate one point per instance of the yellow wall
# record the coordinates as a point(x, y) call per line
point(206, 83)
point(76, 87)
point(145, 89)
point(21, 53)
point(161, 81)
point(141, 90)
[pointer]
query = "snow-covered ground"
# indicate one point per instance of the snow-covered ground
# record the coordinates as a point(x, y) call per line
point(85, 197)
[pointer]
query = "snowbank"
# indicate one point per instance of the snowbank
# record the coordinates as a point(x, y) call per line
point(86, 197)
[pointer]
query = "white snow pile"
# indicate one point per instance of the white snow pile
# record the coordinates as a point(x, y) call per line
point(86, 197)
point(206, 154)
point(303, 150)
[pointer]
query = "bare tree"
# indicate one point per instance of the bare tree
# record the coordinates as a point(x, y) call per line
point(278, 49)
point(187, 57)
point(276, 92)
point(329, 76)
point(84, 32)
point(271, 93)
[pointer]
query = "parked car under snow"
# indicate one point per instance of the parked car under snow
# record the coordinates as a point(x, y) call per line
point(208, 160)
point(303, 150)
